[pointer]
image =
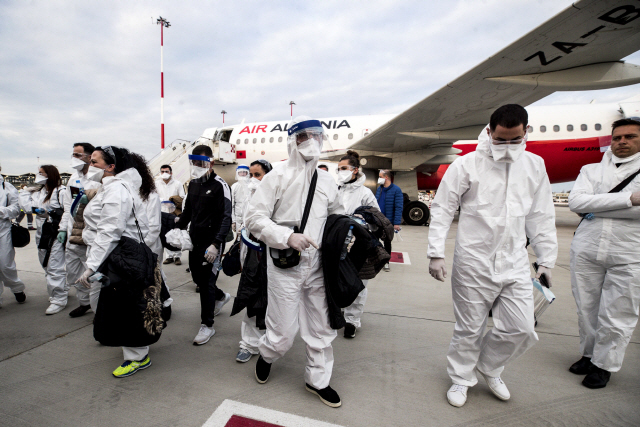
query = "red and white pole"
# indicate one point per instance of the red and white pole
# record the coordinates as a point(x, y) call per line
point(223, 113)
point(292, 104)
point(163, 23)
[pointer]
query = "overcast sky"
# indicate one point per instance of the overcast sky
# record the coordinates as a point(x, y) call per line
point(89, 71)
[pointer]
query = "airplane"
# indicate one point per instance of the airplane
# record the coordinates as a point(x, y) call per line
point(578, 49)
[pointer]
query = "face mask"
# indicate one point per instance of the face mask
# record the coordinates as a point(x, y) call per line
point(40, 179)
point(165, 176)
point(253, 184)
point(381, 181)
point(309, 150)
point(243, 179)
point(345, 176)
point(616, 159)
point(95, 174)
point(507, 153)
point(77, 164)
point(198, 172)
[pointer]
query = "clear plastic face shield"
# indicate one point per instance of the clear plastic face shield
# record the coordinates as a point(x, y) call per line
point(308, 137)
point(200, 167)
point(242, 173)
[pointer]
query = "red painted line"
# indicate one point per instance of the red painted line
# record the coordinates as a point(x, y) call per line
point(238, 421)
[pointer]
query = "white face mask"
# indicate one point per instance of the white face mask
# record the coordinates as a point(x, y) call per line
point(198, 172)
point(309, 150)
point(253, 184)
point(77, 164)
point(381, 181)
point(40, 179)
point(507, 153)
point(95, 174)
point(345, 176)
point(165, 176)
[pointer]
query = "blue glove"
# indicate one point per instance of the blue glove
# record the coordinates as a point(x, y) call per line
point(62, 236)
point(39, 211)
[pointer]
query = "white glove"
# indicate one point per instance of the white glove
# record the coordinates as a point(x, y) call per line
point(211, 254)
point(233, 226)
point(437, 269)
point(84, 279)
point(300, 242)
point(546, 271)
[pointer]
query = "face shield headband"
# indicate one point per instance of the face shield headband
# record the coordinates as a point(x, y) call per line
point(242, 173)
point(200, 167)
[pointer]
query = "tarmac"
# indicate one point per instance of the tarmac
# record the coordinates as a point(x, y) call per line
point(53, 373)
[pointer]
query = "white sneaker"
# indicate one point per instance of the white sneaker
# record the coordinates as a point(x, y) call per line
point(221, 303)
point(54, 308)
point(497, 386)
point(204, 335)
point(457, 395)
point(386, 267)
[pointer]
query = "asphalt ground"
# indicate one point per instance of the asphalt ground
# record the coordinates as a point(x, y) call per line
point(53, 373)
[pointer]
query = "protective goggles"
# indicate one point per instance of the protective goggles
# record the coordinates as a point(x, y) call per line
point(345, 168)
point(503, 142)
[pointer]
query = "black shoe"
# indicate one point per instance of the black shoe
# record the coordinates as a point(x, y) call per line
point(598, 378)
point(188, 270)
point(582, 366)
point(21, 297)
point(327, 395)
point(262, 370)
point(177, 261)
point(197, 289)
point(168, 261)
point(79, 311)
point(349, 331)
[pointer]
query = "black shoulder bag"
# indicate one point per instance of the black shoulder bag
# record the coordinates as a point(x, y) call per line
point(287, 258)
point(20, 236)
point(50, 230)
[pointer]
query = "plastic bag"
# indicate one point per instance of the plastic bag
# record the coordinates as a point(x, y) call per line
point(179, 239)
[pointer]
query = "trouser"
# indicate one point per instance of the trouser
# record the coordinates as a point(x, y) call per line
point(297, 301)
point(608, 300)
point(54, 272)
point(29, 218)
point(76, 258)
point(205, 278)
point(172, 254)
point(8, 272)
point(513, 323)
point(353, 313)
point(250, 334)
point(387, 246)
point(135, 353)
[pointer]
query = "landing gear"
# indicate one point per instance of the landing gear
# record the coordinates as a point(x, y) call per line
point(416, 213)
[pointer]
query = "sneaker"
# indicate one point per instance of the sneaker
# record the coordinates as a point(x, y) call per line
point(54, 308)
point(79, 311)
point(582, 366)
point(386, 267)
point(497, 386)
point(21, 297)
point(220, 303)
point(349, 331)
point(262, 370)
point(177, 261)
point(130, 367)
point(457, 395)
point(167, 261)
point(243, 355)
point(204, 335)
point(327, 395)
point(598, 378)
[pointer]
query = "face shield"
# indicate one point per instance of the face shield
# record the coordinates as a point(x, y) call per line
point(242, 173)
point(307, 136)
point(200, 167)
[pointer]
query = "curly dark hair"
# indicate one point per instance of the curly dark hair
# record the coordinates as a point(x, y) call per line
point(148, 184)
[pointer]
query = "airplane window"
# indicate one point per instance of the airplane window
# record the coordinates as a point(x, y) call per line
point(350, 136)
point(335, 136)
point(255, 140)
point(556, 128)
point(246, 141)
point(271, 139)
point(583, 127)
point(238, 142)
point(280, 139)
point(598, 126)
point(543, 129)
point(570, 128)
point(262, 141)
point(529, 129)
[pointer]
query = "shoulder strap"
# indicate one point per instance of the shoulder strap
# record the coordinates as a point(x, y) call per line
point(133, 210)
point(307, 206)
point(624, 183)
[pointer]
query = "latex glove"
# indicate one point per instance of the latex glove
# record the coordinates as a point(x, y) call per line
point(84, 279)
point(211, 254)
point(437, 269)
point(300, 242)
point(62, 236)
point(635, 198)
point(233, 226)
point(546, 271)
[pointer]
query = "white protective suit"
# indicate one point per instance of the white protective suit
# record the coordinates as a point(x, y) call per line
point(605, 261)
point(166, 190)
point(75, 255)
point(108, 217)
point(240, 197)
point(353, 195)
point(154, 216)
point(54, 272)
point(296, 296)
point(9, 209)
point(24, 197)
point(500, 205)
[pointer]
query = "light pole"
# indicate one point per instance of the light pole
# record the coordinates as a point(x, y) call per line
point(163, 23)
point(292, 104)
point(223, 113)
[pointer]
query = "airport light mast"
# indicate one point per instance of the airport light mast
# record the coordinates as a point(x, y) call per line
point(223, 113)
point(163, 23)
point(292, 104)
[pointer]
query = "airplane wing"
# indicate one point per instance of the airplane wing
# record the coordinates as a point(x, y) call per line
point(578, 49)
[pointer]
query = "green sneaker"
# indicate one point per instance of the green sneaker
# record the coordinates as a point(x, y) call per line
point(130, 367)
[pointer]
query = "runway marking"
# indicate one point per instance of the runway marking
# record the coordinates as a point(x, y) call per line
point(400, 258)
point(235, 414)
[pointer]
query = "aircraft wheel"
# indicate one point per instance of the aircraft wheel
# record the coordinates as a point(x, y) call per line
point(416, 213)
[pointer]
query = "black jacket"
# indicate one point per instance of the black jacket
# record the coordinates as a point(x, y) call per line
point(252, 289)
point(208, 209)
point(341, 282)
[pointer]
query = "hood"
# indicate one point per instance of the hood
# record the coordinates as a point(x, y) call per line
point(484, 143)
point(131, 177)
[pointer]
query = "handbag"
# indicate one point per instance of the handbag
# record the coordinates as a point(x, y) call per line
point(20, 236)
point(287, 258)
point(231, 260)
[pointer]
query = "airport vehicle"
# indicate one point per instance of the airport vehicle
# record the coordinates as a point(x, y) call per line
point(579, 49)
